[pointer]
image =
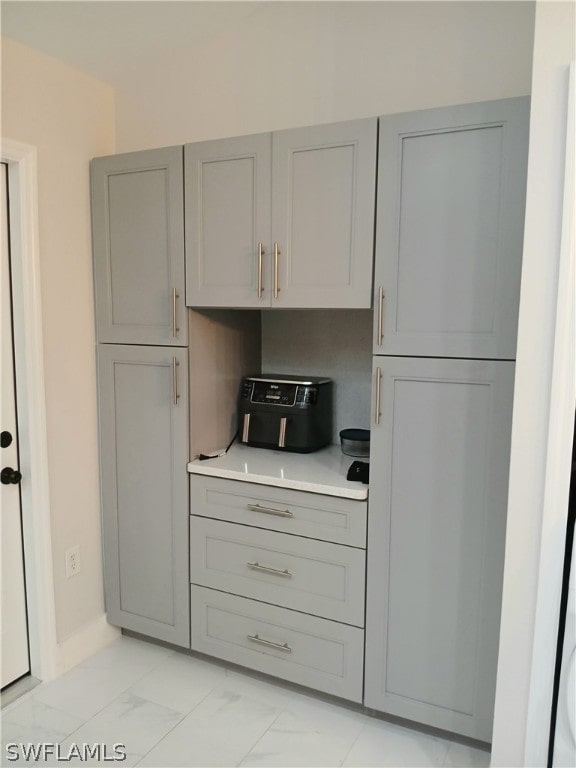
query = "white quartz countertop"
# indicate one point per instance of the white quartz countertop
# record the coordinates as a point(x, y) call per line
point(323, 471)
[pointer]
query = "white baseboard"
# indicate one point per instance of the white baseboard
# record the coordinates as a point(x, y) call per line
point(85, 642)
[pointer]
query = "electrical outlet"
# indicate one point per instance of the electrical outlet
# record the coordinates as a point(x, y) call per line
point(72, 561)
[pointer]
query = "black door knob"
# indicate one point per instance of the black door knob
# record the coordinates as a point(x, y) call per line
point(10, 476)
point(5, 439)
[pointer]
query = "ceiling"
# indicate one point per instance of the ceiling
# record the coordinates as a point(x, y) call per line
point(104, 38)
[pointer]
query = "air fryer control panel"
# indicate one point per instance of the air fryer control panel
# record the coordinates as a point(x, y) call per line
point(279, 393)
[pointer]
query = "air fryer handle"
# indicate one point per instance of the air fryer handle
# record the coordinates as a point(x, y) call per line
point(282, 435)
point(246, 428)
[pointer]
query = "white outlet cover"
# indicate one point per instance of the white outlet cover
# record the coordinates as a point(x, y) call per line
point(72, 561)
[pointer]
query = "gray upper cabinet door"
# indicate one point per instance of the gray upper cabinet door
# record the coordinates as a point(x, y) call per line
point(138, 236)
point(450, 219)
point(437, 523)
point(144, 488)
point(228, 222)
point(323, 199)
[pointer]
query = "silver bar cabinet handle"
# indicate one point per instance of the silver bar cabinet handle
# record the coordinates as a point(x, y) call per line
point(280, 646)
point(276, 283)
point(270, 510)
point(260, 254)
point(175, 329)
point(176, 394)
point(282, 436)
point(266, 569)
point(378, 413)
point(380, 315)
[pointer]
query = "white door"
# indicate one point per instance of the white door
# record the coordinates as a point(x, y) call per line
point(15, 659)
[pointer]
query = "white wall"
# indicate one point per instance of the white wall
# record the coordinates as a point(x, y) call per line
point(288, 64)
point(525, 667)
point(325, 343)
point(69, 117)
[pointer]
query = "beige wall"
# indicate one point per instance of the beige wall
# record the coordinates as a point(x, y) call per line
point(288, 64)
point(69, 117)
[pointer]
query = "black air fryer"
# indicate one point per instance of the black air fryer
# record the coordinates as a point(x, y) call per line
point(288, 413)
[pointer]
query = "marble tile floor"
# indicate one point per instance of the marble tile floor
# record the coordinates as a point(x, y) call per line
point(169, 709)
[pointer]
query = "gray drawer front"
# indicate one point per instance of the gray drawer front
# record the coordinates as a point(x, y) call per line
point(303, 649)
point(328, 518)
point(310, 576)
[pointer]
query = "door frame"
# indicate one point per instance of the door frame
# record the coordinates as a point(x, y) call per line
point(22, 161)
point(544, 401)
point(558, 461)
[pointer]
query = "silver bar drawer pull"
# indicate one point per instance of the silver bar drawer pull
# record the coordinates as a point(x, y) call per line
point(266, 569)
point(280, 646)
point(269, 510)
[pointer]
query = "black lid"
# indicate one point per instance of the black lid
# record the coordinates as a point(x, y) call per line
point(355, 434)
point(286, 378)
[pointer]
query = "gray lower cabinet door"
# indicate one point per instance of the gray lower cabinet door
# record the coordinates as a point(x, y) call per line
point(436, 532)
point(143, 396)
point(315, 577)
point(328, 518)
point(138, 243)
point(323, 199)
point(227, 184)
point(320, 654)
point(450, 221)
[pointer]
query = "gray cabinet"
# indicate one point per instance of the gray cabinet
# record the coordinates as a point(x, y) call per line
point(323, 199)
point(436, 531)
point(138, 241)
point(314, 652)
point(143, 413)
point(451, 189)
point(141, 320)
point(267, 594)
point(315, 577)
point(282, 220)
point(227, 213)
point(327, 518)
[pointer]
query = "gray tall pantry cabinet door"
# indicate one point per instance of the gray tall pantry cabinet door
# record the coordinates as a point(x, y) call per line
point(228, 222)
point(436, 531)
point(138, 240)
point(323, 199)
point(144, 485)
point(451, 191)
